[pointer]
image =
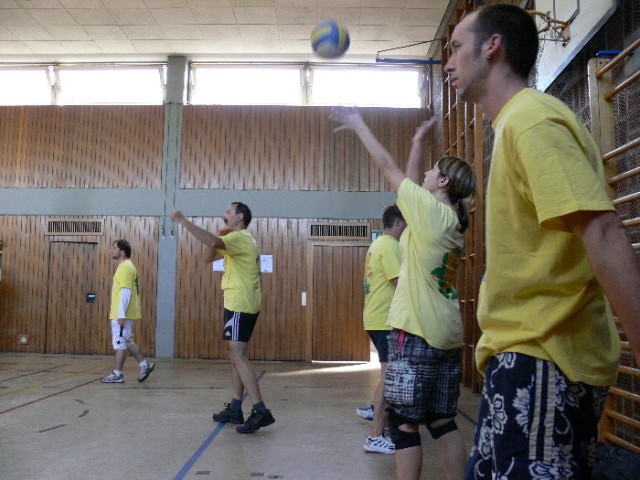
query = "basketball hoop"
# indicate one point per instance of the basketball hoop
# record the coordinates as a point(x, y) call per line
point(559, 29)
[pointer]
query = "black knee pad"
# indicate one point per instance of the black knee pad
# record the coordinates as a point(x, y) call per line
point(400, 438)
point(437, 432)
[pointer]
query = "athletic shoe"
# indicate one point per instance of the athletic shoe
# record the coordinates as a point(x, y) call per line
point(145, 371)
point(365, 413)
point(256, 421)
point(379, 444)
point(227, 415)
point(113, 378)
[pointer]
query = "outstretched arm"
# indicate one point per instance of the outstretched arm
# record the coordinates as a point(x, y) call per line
point(350, 119)
point(212, 241)
point(414, 165)
point(617, 272)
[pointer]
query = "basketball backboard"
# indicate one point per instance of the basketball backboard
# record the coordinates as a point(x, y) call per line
point(559, 46)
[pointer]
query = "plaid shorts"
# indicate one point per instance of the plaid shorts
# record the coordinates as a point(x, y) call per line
point(436, 387)
point(534, 422)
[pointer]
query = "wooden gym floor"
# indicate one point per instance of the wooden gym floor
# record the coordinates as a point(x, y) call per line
point(58, 422)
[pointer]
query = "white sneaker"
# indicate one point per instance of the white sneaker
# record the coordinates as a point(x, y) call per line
point(366, 413)
point(379, 444)
point(113, 378)
point(145, 371)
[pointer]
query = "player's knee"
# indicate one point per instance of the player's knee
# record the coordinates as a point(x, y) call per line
point(401, 438)
point(440, 430)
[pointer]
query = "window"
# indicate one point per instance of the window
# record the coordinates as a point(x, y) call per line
point(125, 85)
point(25, 86)
point(211, 84)
point(366, 86)
point(246, 85)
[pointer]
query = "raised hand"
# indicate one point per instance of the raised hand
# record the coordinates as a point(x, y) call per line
point(424, 128)
point(349, 117)
point(177, 216)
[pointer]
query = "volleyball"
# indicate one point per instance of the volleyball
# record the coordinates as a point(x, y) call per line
point(330, 39)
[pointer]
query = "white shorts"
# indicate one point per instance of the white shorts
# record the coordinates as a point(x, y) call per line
point(122, 337)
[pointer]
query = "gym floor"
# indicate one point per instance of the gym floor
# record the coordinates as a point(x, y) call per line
point(57, 421)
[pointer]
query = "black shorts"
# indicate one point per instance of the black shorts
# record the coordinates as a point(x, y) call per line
point(380, 339)
point(238, 326)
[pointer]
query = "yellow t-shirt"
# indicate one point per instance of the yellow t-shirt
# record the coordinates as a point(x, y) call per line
point(241, 278)
point(425, 302)
point(126, 276)
point(381, 268)
point(539, 295)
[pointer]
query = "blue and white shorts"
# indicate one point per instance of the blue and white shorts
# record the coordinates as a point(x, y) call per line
point(534, 423)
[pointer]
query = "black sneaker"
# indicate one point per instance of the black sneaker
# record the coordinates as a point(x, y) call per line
point(256, 421)
point(228, 415)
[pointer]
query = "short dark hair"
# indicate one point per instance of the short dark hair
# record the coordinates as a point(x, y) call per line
point(390, 214)
point(124, 246)
point(518, 31)
point(245, 211)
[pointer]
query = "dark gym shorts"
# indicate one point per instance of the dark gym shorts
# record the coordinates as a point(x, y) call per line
point(380, 339)
point(238, 326)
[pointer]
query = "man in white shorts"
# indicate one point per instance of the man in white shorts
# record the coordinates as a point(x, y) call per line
point(125, 308)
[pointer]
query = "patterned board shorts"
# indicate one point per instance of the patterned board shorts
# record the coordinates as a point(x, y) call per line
point(534, 422)
point(425, 381)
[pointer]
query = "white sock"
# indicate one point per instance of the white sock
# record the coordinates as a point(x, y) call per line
point(118, 372)
point(143, 363)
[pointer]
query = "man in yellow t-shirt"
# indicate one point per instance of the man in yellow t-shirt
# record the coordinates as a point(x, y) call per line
point(125, 308)
point(554, 248)
point(381, 270)
point(242, 300)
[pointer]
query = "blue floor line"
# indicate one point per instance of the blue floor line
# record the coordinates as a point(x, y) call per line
point(194, 458)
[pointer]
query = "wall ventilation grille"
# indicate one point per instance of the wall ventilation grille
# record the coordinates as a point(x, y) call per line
point(74, 227)
point(340, 231)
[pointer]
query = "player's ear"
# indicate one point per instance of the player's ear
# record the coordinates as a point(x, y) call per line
point(492, 45)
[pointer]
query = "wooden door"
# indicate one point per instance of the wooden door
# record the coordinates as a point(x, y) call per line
point(72, 320)
point(336, 300)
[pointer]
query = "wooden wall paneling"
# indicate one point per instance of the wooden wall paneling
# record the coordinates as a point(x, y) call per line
point(27, 275)
point(271, 148)
point(199, 303)
point(264, 347)
point(334, 288)
point(23, 286)
point(249, 162)
point(311, 138)
point(336, 297)
point(71, 325)
point(320, 328)
point(236, 148)
point(81, 146)
point(273, 305)
point(293, 279)
point(359, 343)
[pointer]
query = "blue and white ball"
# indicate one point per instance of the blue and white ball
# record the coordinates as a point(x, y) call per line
point(330, 39)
